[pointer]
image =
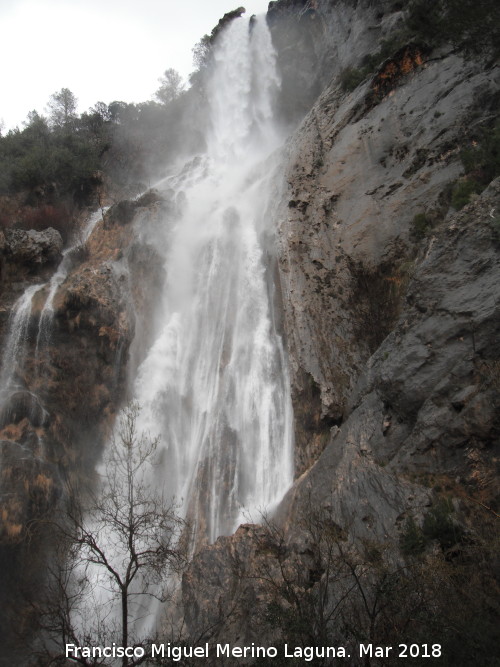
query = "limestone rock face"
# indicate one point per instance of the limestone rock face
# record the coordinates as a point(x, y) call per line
point(317, 40)
point(422, 417)
point(424, 405)
point(358, 175)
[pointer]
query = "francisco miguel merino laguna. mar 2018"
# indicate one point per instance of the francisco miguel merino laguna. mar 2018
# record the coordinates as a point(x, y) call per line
point(177, 653)
point(307, 653)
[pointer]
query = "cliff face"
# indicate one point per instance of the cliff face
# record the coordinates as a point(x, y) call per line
point(69, 370)
point(359, 174)
point(391, 332)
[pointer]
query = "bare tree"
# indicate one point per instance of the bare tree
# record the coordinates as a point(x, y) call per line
point(331, 592)
point(116, 552)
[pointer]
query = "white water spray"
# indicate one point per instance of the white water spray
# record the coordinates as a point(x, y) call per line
point(214, 385)
point(16, 340)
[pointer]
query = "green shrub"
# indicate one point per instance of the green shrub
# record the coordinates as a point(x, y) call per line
point(411, 541)
point(470, 27)
point(462, 191)
point(437, 525)
point(350, 78)
point(482, 158)
point(420, 226)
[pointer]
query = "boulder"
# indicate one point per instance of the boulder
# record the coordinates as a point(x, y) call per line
point(33, 248)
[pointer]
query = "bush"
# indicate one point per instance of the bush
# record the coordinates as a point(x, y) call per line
point(462, 191)
point(482, 158)
point(350, 78)
point(411, 541)
point(470, 27)
point(437, 525)
point(420, 226)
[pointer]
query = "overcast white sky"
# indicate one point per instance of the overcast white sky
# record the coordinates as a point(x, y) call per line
point(102, 50)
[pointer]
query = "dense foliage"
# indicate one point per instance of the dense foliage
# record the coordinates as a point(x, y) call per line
point(471, 27)
point(64, 151)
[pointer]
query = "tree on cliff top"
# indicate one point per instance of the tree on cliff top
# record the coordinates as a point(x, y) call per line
point(62, 108)
point(116, 552)
point(171, 86)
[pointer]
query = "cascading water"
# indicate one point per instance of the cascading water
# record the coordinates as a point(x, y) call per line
point(15, 348)
point(15, 343)
point(47, 314)
point(214, 384)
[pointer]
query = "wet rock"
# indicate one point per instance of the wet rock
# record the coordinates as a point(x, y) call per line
point(32, 248)
point(425, 408)
point(121, 213)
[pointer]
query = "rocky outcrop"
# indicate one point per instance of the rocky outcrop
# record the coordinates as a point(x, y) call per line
point(26, 256)
point(421, 422)
point(227, 18)
point(423, 409)
point(31, 247)
point(73, 368)
point(317, 40)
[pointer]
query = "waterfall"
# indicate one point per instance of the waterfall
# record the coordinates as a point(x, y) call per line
point(214, 385)
point(16, 340)
point(57, 279)
point(18, 333)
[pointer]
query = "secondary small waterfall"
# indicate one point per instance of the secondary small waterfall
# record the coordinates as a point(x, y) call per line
point(214, 384)
point(15, 342)
point(57, 279)
point(18, 333)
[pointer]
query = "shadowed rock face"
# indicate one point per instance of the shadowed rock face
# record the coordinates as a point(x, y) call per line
point(32, 247)
point(26, 256)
